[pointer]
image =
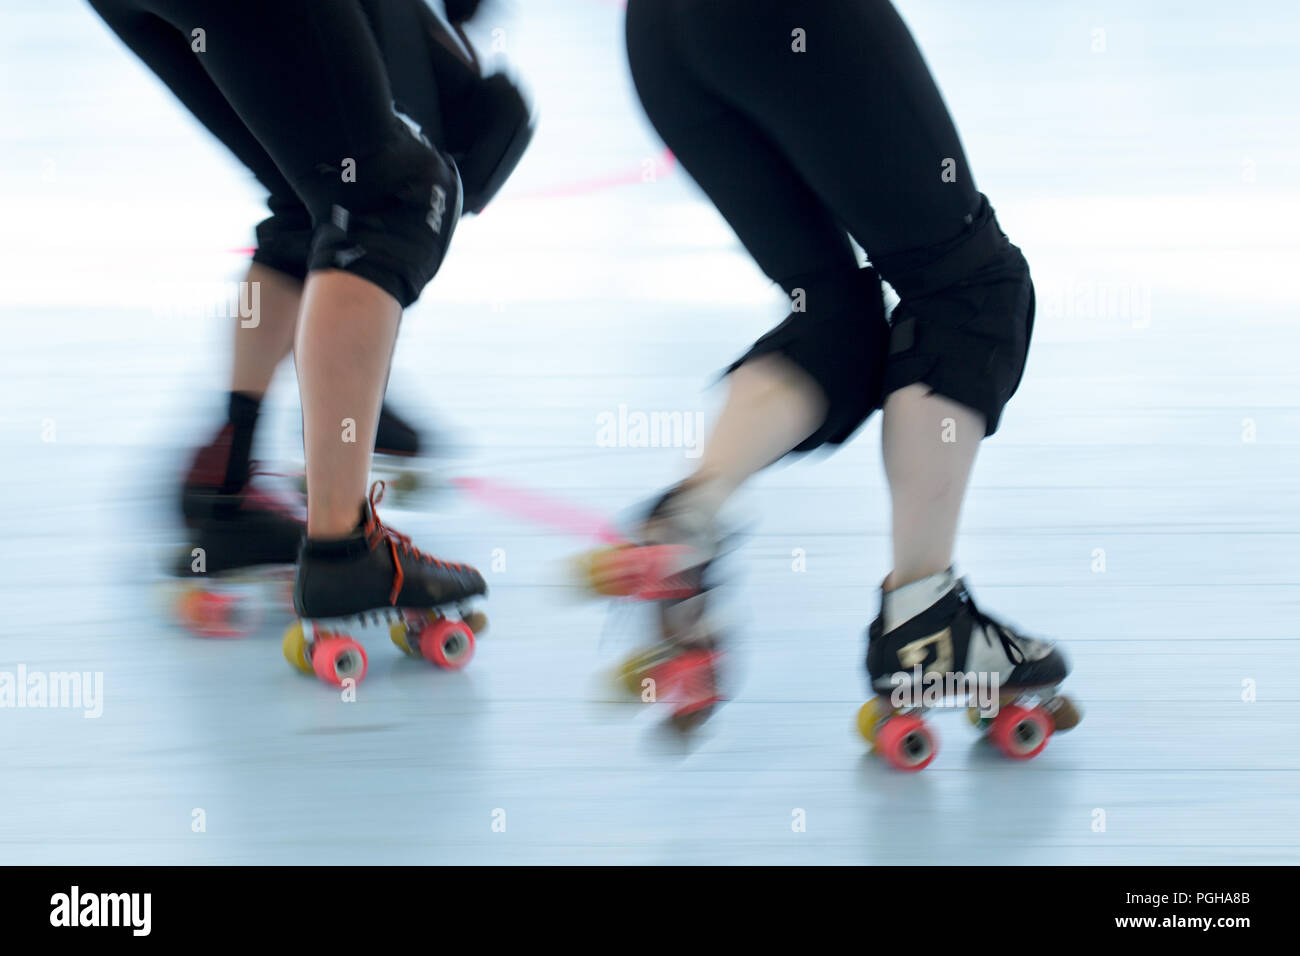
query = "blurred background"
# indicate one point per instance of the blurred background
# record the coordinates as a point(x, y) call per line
point(1138, 504)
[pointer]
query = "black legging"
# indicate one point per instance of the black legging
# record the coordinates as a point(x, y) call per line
point(800, 149)
point(290, 86)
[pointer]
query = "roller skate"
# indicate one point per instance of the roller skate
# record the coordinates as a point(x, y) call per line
point(400, 459)
point(376, 574)
point(240, 540)
point(397, 459)
point(930, 646)
point(672, 569)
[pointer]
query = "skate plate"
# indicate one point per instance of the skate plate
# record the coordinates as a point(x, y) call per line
point(1025, 721)
point(333, 655)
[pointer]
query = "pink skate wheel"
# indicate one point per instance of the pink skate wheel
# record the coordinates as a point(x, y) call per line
point(615, 571)
point(693, 686)
point(658, 578)
point(906, 742)
point(210, 614)
point(448, 644)
point(1021, 732)
point(336, 659)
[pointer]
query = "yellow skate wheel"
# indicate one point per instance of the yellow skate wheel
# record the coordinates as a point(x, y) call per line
point(870, 715)
point(629, 674)
point(184, 602)
point(295, 648)
point(404, 482)
point(398, 634)
point(584, 568)
point(1064, 712)
point(476, 621)
point(598, 571)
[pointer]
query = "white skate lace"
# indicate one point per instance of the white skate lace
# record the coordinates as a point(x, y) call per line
point(1017, 647)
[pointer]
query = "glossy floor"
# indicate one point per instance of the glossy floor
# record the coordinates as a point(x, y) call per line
point(1139, 503)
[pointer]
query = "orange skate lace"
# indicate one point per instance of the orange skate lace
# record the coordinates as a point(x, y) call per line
point(398, 543)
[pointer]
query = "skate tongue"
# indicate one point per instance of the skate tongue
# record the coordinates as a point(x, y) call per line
point(902, 604)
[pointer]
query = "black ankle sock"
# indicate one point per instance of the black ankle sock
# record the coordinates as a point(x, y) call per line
point(351, 545)
point(242, 413)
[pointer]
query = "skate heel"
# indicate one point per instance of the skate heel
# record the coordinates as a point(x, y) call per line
point(332, 656)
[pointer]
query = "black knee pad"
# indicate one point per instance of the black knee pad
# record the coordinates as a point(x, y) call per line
point(964, 319)
point(284, 237)
point(487, 134)
point(393, 224)
point(840, 341)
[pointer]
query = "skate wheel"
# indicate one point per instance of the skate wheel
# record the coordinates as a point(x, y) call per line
point(404, 483)
point(657, 570)
point(295, 648)
point(476, 621)
point(694, 688)
point(210, 614)
point(399, 634)
point(448, 644)
point(870, 715)
point(336, 659)
point(607, 571)
point(1021, 732)
point(906, 742)
point(1064, 712)
point(685, 721)
point(978, 720)
point(628, 675)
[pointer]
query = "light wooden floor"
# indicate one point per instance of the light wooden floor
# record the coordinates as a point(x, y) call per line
point(1158, 431)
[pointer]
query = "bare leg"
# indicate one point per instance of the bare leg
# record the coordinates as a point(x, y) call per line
point(929, 444)
point(771, 407)
point(260, 349)
point(344, 349)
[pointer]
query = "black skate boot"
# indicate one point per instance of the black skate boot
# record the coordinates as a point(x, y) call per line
point(399, 449)
point(239, 536)
point(376, 573)
point(929, 645)
point(395, 435)
point(674, 567)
